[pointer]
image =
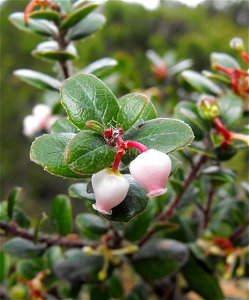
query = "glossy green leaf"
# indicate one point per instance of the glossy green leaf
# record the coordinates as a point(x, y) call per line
point(3, 211)
point(12, 201)
point(224, 60)
point(40, 27)
point(38, 79)
point(166, 135)
point(51, 51)
point(231, 108)
point(86, 98)
point(219, 175)
point(79, 190)
point(45, 14)
point(88, 153)
point(5, 266)
point(63, 125)
point(101, 68)
point(135, 109)
point(179, 67)
point(201, 83)
point(48, 152)
point(86, 27)
point(61, 214)
point(91, 226)
point(78, 267)
point(78, 15)
point(200, 279)
point(159, 258)
point(134, 203)
point(29, 268)
point(135, 229)
point(22, 248)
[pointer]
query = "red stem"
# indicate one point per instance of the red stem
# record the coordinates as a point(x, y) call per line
point(245, 56)
point(223, 69)
point(222, 129)
point(136, 145)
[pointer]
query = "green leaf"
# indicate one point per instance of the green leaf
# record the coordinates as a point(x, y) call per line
point(219, 175)
point(201, 83)
point(78, 266)
point(166, 135)
point(22, 248)
point(159, 258)
point(134, 203)
point(86, 27)
point(45, 14)
point(61, 214)
point(21, 218)
point(12, 201)
point(29, 268)
point(134, 230)
point(101, 68)
point(3, 211)
point(231, 108)
point(51, 51)
point(188, 112)
point(115, 287)
point(135, 109)
point(224, 60)
point(63, 125)
point(48, 152)
point(79, 190)
point(78, 15)
point(86, 98)
point(200, 279)
point(40, 27)
point(5, 265)
point(91, 226)
point(38, 79)
point(179, 67)
point(38, 226)
point(53, 255)
point(88, 153)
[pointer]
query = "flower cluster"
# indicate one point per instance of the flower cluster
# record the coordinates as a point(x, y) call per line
point(150, 169)
point(41, 119)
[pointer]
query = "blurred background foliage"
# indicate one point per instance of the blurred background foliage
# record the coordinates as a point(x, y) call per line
point(129, 32)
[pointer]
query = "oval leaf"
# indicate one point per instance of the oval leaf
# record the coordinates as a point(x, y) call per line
point(45, 14)
point(38, 79)
point(166, 135)
point(79, 190)
point(22, 248)
point(86, 27)
point(160, 258)
point(29, 268)
point(40, 27)
point(88, 153)
point(134, 203)
point(201, 83)
point(135, 109)
point(61, 214)
point(86, 98)
point(48, 152)
point(51, 51)
point(101, 67)
point(78, 15)
point(224, 60)
point(63, 125)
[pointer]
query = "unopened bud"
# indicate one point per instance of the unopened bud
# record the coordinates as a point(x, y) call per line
point(209, 108)
point(151, 169)
point(110, 189)
point(41, 112)
point(88, 250)
point(102, 275)
point(30, 125)
point(237, 44)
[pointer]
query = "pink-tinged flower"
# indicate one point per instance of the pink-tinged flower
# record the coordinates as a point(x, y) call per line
point(151, 169)
point(110, 189)
point(41, 118)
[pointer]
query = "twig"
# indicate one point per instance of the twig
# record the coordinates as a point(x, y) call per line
point(238, 231)
point(13, 230)
point(207, 209)
point(168, 212)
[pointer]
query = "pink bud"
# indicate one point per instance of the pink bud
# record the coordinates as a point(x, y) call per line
point(151, 169)
point(110, 188)
point(42, 112)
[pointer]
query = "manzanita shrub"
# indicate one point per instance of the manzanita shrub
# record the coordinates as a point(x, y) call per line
point(164, 215)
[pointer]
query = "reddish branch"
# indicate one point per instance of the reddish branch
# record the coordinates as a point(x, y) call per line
point(49, 240)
